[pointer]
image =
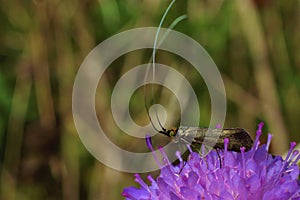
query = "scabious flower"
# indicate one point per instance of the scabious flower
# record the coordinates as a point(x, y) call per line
point(254, 174)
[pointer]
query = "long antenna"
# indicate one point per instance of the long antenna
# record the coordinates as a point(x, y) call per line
point(153, 58)
point(174, 23)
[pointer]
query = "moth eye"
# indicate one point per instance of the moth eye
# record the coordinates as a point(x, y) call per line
point(172, 133)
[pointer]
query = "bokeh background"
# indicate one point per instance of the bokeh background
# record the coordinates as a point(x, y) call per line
point(255, 44)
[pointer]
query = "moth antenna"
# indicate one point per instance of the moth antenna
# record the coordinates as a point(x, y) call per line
point(153, 57)
point(174, 23)
point(147, 109)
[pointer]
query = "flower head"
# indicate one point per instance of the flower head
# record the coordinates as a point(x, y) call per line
point(254, 174)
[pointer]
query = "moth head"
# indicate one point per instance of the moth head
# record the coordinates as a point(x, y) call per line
point(170, 133)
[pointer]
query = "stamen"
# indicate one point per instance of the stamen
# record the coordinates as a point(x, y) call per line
point(139, 180)
point(294, 155)
point(269, 141)
point(150, 178)
point(296, 160)
point(258, 134)
point(260, 126)
point(149, 145)
point(149, 142)
point(226, 142)
point(286, 160)
point(165, 157)
point(189, 148)
point(179, 158)
point(243, 161)
point(292, 146)
point(257, 145)
point(203, 149)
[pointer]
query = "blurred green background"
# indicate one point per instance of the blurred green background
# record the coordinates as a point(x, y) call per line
point(255, 44)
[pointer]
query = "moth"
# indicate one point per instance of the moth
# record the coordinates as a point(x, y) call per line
point(196, 136)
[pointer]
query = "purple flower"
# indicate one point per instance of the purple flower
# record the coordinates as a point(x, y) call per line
point(254, 174)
